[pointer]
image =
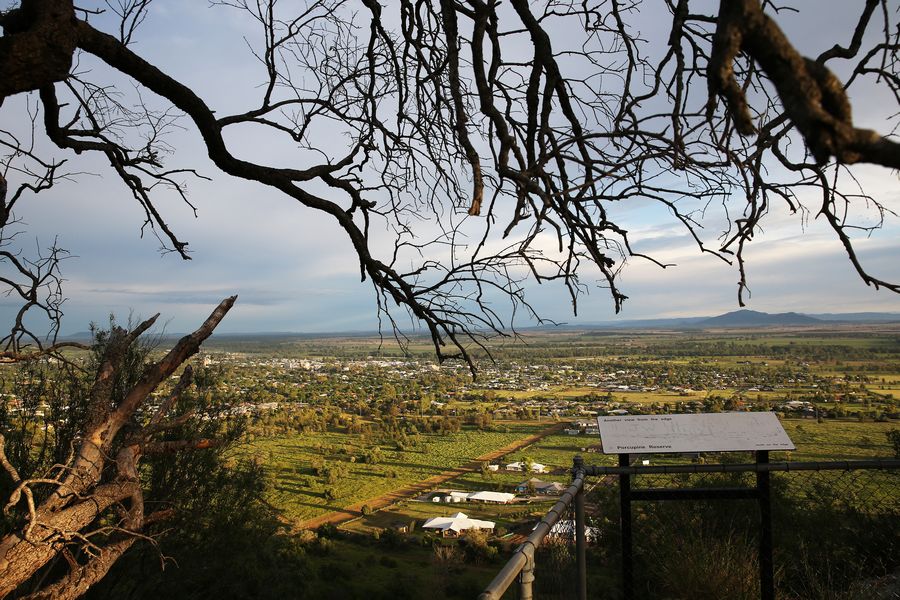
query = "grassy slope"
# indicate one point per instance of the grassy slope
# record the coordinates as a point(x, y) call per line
point(300, 494)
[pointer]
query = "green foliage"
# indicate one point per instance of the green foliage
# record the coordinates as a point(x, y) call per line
point(392, 538)
point(373, 456)
point(42, 425)
point(219, 539)
point(462, 587)
point(327, 530)
point(848, 530)
point(387, 561)
point(333, 472)
point(483, 421)
point(307, 453)
point(475, 547)
point(707, 564)
point(223, 542)
point(894, 438)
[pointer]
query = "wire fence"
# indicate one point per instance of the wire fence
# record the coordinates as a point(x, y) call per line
point(835, 531)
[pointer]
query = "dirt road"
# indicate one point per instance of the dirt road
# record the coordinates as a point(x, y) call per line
point(392, 497)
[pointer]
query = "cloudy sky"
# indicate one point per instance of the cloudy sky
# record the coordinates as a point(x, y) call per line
point(295, 271)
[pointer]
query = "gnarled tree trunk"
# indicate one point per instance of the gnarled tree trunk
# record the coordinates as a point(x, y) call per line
point(95, 508)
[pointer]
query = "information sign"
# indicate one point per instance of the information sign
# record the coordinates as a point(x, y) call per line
point(705, 432)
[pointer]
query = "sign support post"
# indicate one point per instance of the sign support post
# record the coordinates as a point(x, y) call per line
point(625, 524)
point(766, 565)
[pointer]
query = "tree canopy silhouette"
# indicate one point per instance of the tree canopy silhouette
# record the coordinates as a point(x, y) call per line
point(493, 140)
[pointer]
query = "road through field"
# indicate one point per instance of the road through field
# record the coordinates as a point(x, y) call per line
point(379, 502)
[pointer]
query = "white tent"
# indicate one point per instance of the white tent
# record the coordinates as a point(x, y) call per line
point(501, 497)
point(456, 523)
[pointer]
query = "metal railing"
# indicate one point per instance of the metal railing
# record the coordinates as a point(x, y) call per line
point(521, 566)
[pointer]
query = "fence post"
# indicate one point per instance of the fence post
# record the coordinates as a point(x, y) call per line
point(625, 521)
point(580, 537)
point(526, 578)
point(766, 566)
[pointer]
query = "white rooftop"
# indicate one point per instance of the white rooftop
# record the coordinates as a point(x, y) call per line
point(457, 522)
point(491, 496)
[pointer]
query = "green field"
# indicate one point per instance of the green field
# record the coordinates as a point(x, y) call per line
point(300, 493)
point(836, 440)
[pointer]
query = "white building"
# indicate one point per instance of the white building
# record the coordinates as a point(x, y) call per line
point(481, 496)
point(520, 466)
point(498, 497)
point(454, 524)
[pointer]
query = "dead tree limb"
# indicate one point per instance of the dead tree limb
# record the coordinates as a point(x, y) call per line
point(74, 517)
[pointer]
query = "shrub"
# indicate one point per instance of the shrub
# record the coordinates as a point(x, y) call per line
point(475, 547)
point(392, 538)
point(387, 561)
point(327, 530)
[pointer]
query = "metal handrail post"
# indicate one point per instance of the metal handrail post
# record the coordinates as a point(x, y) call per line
point(580, 537)
point(526, 579)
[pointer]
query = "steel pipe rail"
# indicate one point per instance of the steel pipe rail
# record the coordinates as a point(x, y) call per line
point(522, 560)
point(786, 467)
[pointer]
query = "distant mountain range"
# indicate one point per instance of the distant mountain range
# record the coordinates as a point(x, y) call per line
point(734, 319)
point(752, 318)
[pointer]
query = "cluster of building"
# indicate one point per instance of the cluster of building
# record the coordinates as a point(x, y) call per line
point(534, 467)
point(458, 522)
